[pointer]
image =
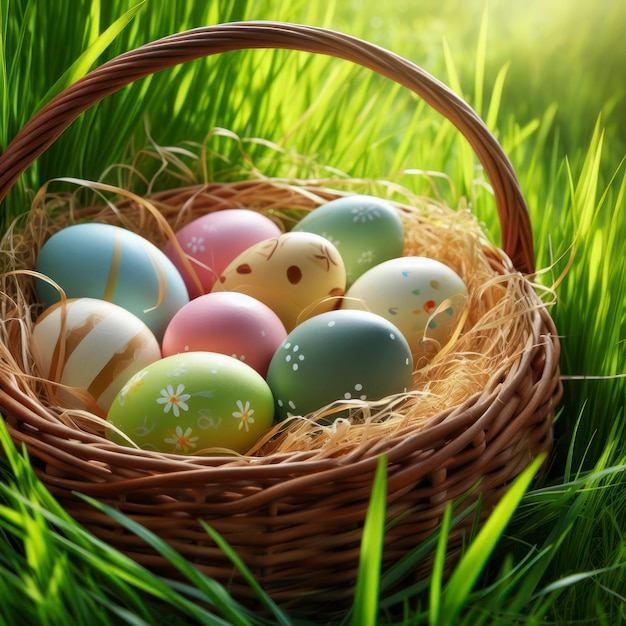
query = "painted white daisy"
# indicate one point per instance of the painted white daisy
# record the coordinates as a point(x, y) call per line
point(365, 214)
point(174, 400)
point(196, 244)
point(182, 441)
point(134, 383)
point(244, 414)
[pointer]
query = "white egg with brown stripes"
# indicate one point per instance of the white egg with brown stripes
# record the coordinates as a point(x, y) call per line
point(91, 347)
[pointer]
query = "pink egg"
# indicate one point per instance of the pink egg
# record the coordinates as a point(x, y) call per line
point(229, 323)
point(212, 241)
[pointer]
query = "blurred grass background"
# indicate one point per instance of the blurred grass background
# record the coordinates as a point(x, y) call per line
point(556, 54)
point(548, 78)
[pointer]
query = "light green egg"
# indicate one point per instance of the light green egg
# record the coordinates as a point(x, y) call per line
point(192, 402)
point(365, 229)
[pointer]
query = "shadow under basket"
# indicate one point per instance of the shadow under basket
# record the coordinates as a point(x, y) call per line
point(294, 514)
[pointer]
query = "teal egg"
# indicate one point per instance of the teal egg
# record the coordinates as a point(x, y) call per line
point(191, 402)
point(111, 263)
point(339, 355)
point(365, 229)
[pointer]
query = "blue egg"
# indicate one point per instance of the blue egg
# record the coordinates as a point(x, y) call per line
point(111, 263)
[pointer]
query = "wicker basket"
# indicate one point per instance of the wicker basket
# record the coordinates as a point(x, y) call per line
point(295, 518)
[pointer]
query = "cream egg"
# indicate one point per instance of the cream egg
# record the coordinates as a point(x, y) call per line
point(297, 275)
point(423, 297)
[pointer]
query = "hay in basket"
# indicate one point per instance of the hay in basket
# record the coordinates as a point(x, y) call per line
point(294, 507)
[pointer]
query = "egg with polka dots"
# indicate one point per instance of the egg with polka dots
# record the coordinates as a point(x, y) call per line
point(297, 275)
point(423, 297)
point(338, 355)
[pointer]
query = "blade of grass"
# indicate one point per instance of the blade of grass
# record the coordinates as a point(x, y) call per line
point(217, 594)
point(276, 611)
point(88, 58)
point(403, 568)
point(481, 60)
point(436, 577)
point(366, 595)
point(573, 579)
point(495, 102)
point(468, 569)
point(466, 158)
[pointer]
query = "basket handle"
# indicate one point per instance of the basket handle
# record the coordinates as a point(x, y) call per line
point(50, 122)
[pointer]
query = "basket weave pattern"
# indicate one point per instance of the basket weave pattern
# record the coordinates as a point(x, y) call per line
point(294, 517)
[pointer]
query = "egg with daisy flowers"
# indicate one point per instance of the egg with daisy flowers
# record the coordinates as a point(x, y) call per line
point(192, 403)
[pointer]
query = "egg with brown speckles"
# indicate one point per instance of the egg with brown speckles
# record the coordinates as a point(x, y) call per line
point(297, 275)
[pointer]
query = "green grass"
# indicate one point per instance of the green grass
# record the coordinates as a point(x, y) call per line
point(547, 79)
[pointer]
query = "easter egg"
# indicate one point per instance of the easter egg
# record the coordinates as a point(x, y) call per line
point(193, 402)
point(107, 262)
point(229, 323)
point(338, 355)
point(365, 229)
point(423, 297)
point(92, 346)
point(210, 242)
point(297, 275)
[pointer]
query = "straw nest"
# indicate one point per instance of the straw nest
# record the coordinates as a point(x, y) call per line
point(496, 328)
